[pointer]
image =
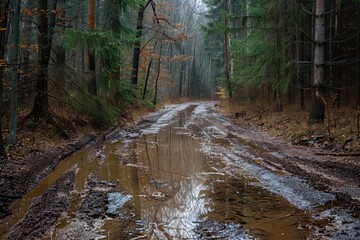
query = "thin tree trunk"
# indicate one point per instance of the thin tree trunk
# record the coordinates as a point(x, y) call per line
point(2, 149)
point(137, 48)
point(147, 79)
point(182, 71)
point(148, 74)
point(181, 77)
point(358, 68)
point(92, 60)
point(60, 52)
point(300, 75)
point(317, 110)
point(278, 102)
point(226, 48)
point(26, 32)
point(136, 54)
point(14, 61)
point(3, 40)
point(157, 76)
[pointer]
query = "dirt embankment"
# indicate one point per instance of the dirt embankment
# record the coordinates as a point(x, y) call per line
point(21, 174)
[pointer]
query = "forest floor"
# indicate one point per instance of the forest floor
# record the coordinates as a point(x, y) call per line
point(340, 132)
point(326, 158)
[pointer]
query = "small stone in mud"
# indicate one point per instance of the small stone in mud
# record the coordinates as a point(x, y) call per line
point(95, 204)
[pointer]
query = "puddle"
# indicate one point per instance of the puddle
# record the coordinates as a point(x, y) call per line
point(162, 186)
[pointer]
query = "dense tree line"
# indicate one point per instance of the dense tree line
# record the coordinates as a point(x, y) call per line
point(96, 57)
point(285, 51)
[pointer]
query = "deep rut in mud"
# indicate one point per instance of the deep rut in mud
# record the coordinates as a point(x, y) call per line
point(186, 172)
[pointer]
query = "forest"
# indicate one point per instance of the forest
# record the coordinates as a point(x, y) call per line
point(179, 119)
point(100, 57)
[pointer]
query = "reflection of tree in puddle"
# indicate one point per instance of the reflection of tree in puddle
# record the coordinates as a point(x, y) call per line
point(171, 203)
point(177, 216)
point(176, 196)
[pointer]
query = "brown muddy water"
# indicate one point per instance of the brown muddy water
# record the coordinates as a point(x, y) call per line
point(162, 186)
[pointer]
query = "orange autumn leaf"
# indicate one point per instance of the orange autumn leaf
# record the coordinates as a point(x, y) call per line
point(27, 12)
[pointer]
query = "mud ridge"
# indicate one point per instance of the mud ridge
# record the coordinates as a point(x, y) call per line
point(20, 175)
point(45, 210)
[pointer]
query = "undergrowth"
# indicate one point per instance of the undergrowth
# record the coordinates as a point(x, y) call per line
point(101, 113)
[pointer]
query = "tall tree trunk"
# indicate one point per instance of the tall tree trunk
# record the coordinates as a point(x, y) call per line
point(148, 74)
point(226, 48)
point(317, 109)
point(182, 71)
point(335, 71)
point(137, 47)
point(300, 75)
point(92, 60)
point(41, 103)
point(181, 77)
point(158, 75)
point(358, 67)
point(60, 51)
point(147, 79)
point(277, 92)
point(136, 54)
point(26, 36)
point(14, 61)
point(3, 40)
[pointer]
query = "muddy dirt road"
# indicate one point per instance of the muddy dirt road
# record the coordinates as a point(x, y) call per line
point(187, 172)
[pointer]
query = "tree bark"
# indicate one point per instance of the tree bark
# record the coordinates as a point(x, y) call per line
point(137, 47)
point(41, 103)
point(136, 54)
point(358, 67)
point(226, 48)
point(60, 52)
point(26, 40)
point(92, 60)
point(158, 75)
point(299, 74)
point(14, 61)
point(317, 109)
point(3, 40)
point(147, 79)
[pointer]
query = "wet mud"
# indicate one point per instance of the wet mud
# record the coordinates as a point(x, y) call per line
point(22, 174)
point(188, 172)
point(45, 210)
